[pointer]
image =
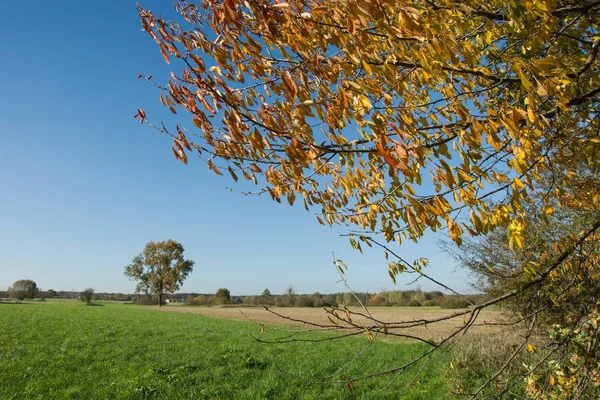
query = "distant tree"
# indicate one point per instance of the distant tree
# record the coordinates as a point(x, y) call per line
point(23, 289)
point(347, 299)
point(160, 268)
point(252, 300)
point(317, 299)
point(377, 300)
point(289, 296)
point(454, 302)
point(87, 295)
point(50, 293)
point(223, 296)
point(266, 297)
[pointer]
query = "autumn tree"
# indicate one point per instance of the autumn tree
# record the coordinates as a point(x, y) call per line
point(159, 269)
point(23, 289)
point(396, 118)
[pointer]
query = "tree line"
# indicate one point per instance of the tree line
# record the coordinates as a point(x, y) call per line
point(404, 298)
point(27, 289)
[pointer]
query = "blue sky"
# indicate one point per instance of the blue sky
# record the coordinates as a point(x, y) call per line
point(85, 186)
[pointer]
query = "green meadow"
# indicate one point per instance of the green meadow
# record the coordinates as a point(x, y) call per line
point(63, 349)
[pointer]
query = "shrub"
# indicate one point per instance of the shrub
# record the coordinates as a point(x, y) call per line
point(474, 360)
point(377, 300)
point(23, 289)
point(252, 300)
point(201, 300)
point(303, 301)
point(219, 301)
point(454, 302)
point(223, 296)
point(87, 295)
point(146, 299)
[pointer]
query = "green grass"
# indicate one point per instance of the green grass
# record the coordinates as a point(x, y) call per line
point(65, 350)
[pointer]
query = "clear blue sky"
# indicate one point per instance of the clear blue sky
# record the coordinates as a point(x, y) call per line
point(85, 186)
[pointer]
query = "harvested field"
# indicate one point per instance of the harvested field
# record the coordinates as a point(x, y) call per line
point(293, 315)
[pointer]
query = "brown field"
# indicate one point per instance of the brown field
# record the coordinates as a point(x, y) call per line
point(434, 331)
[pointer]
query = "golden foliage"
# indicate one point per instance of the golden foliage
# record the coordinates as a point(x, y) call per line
point(390, 116)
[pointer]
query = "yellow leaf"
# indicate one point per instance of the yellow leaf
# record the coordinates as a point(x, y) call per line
point(290, 198)
point(367, 67)
point(531, 348)
point(541, 90)
point(455, 232)
point(476, 221)
point(518, 183)
point(364, 101)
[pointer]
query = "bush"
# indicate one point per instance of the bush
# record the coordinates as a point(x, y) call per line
point(303, 301)
point(201, 300)
point(377, 300)
point(414, 303)
point(23, 289)
point(252, 300)
point(87, 295)
point(223, 296)
point(475, 360)
point(219, 301)
point(146, 300)
point(454, 302)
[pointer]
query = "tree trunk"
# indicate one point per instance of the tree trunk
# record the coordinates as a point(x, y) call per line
point(160, 299)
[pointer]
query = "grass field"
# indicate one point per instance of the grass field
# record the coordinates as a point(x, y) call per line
point(66, 350)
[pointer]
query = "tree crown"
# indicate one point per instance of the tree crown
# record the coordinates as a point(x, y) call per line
point(160, 268)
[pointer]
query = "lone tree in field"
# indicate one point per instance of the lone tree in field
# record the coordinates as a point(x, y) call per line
point(159, 269)
point(223, 296)
point(23, 289)
point(87, 296)
point(396, 118)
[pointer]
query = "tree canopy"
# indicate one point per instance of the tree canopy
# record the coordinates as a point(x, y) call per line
point(23, 289)
point(87, 295)
point(161, 268)
point(397, 118)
